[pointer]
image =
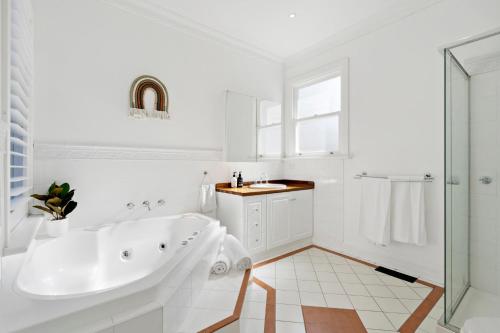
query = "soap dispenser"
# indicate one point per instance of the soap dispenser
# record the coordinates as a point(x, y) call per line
point(234, 181)
point(240, 180)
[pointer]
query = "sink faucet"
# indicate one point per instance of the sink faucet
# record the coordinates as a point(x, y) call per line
point(261, 178)
point(264, 177)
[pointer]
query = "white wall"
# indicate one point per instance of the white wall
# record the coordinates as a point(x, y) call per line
point(84, 68)
point(484, 199)
point(327, 174)
point(396, 117)
point(87, 55)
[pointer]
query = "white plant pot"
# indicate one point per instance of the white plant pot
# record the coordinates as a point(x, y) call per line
point(57, 228)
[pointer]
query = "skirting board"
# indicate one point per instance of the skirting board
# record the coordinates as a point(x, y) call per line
point(79, 152)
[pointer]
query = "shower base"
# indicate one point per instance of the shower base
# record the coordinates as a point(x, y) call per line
point(476, 303)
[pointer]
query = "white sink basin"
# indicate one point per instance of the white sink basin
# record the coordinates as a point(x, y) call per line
point(269, 186)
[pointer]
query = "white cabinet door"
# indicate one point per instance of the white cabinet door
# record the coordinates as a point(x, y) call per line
point(255, 214)
point(278, 219)
point(301, 203)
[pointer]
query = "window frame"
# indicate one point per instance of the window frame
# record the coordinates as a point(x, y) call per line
point(336, 69)
point(15, 213)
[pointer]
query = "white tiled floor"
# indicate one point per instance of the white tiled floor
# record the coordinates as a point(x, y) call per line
point(254, 310)
point(315, 278)
point(318, 278)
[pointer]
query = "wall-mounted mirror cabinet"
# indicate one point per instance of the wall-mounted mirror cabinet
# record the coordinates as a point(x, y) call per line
point(253, 128)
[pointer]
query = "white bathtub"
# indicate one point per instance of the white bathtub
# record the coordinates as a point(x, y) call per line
point(94, 260)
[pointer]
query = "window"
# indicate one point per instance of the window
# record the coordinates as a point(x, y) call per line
point(318, 112)
point(269, 130)
point(19, 103)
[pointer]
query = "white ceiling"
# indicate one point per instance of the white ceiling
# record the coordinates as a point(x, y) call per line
point(265, 25)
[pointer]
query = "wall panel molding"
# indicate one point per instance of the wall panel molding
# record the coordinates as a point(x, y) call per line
point(59, 151)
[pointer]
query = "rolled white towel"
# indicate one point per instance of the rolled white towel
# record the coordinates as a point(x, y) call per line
point(236, 253)
point(222, 264)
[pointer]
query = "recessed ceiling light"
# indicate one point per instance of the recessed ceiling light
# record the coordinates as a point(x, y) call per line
point(292, 15)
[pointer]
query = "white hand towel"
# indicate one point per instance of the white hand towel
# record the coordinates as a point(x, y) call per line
point(408, 212)
point(374, 221)
point(236, 253)
point(207, 197)
point(222, 264)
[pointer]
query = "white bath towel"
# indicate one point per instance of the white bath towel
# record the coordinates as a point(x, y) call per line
point(222, 264)
point(238, 255)
point(408, 212)
point(375, 213)
point(208, 203)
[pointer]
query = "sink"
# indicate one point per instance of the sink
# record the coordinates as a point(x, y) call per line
point(269, 186)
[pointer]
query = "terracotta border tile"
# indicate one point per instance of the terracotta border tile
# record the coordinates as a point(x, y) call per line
point(331, 320)
point(270, 319)
point(423, 310)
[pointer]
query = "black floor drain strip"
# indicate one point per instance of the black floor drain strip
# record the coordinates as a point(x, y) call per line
point(401, 276)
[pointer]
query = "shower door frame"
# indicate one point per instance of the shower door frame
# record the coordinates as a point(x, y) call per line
point(449, 59)
point(446, 51)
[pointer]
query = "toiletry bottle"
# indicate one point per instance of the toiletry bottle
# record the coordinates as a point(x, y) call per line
point(234, 181)
point(240, 180)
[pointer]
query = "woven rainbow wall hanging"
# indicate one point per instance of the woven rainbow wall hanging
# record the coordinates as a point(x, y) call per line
point(138, 106)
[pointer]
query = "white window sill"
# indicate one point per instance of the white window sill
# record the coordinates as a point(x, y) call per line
point(20, 239)
point(270, 158)
point(319, 156)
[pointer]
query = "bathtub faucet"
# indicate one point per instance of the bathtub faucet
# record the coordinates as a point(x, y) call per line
point(146, 204)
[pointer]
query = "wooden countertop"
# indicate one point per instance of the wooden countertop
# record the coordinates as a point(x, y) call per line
point(291, 185)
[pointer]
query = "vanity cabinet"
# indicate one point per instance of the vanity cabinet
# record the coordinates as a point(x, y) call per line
point(263, 222)
point(279, 217)
point(301, 211)
point(255, 221)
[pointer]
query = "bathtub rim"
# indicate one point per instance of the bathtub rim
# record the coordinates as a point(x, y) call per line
point(156, 275)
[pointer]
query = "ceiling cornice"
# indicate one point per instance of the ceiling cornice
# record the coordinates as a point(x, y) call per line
point(171, 19)
point(374, 23)
point(166, 17)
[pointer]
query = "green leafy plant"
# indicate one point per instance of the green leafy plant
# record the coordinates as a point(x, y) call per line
point(57, 201)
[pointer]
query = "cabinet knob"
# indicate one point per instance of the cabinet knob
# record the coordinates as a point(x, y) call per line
point(257, 240)
point(256, 224)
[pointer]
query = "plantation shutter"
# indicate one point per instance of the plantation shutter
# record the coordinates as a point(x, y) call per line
point(20, 98)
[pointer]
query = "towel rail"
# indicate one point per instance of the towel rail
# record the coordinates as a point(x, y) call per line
point(427, 178)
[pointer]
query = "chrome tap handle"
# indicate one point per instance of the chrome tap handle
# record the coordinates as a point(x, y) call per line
point(161, 202)
point(130, 205)
point(486, 180)
point(146, 204)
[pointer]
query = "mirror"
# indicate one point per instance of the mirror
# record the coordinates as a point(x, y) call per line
point(253, 128)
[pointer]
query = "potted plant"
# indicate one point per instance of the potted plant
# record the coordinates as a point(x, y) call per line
point(57, 203)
